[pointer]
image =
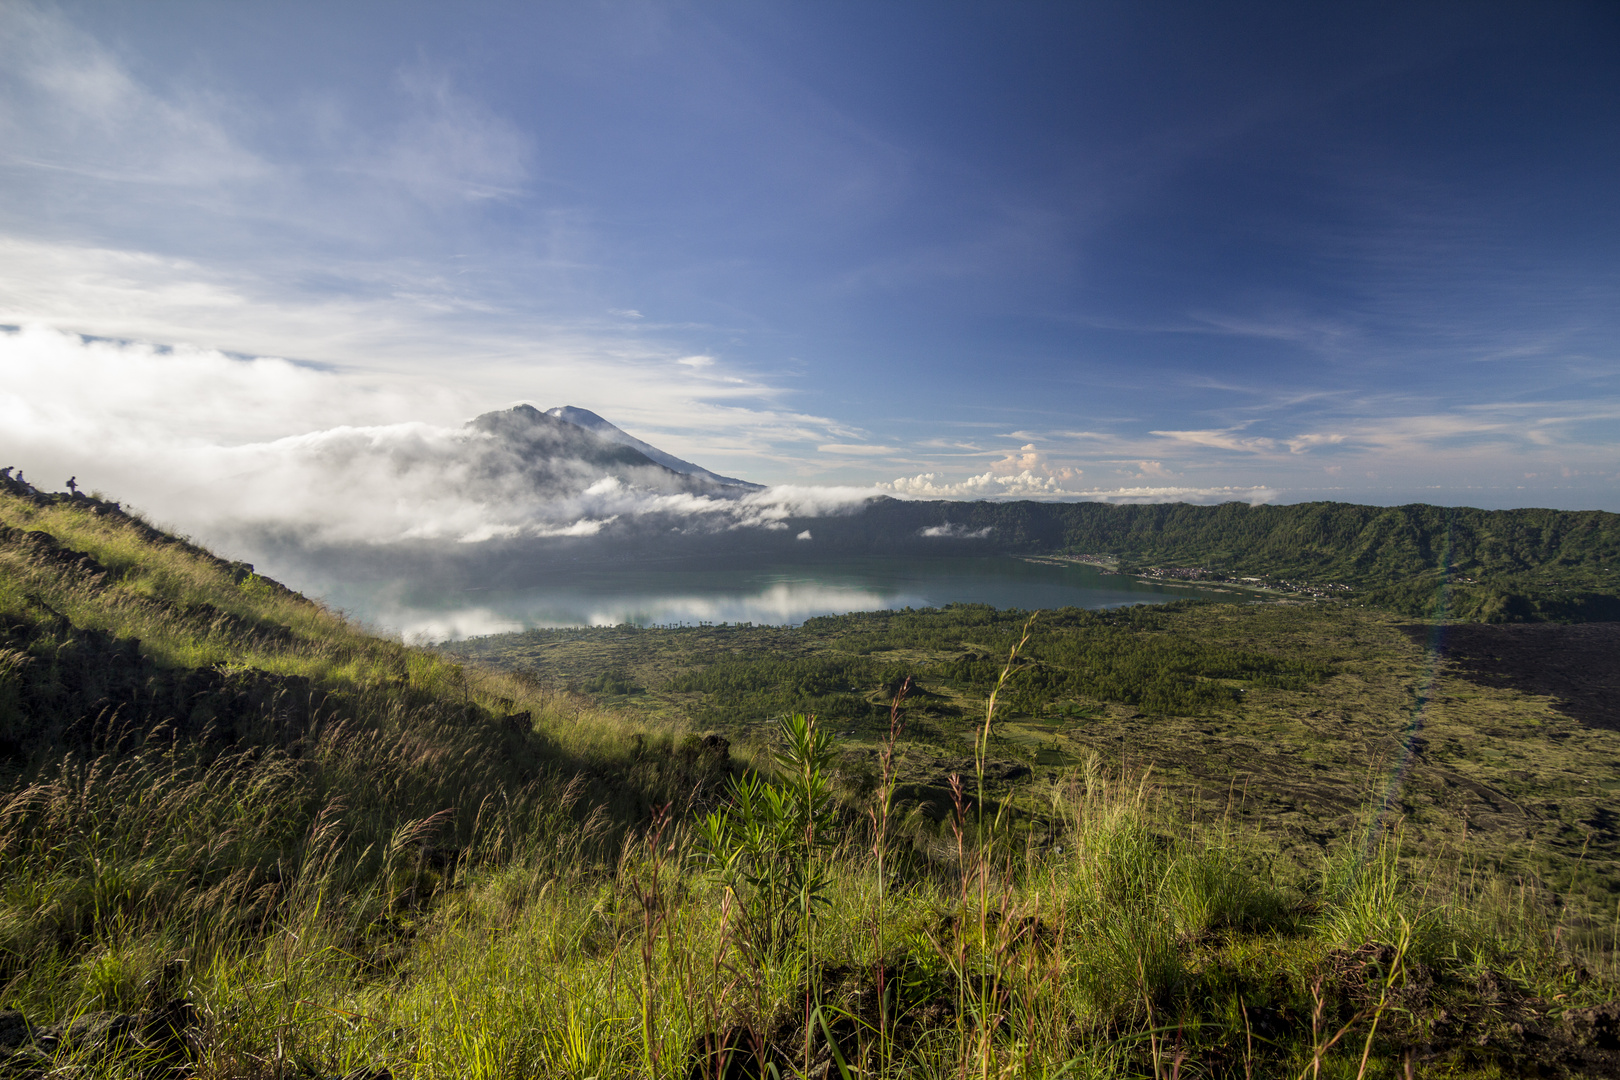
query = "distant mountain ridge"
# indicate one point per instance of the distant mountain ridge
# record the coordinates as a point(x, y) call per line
point(603, 429)
point(1520, 565)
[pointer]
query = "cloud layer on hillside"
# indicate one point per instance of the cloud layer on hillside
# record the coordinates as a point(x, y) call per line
point(226, 448)
point(261, 453)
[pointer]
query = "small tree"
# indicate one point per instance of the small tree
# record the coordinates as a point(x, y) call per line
point(767, 845)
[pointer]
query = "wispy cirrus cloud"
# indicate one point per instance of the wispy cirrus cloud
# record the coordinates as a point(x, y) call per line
point(858, 450)
point(1233, 439)
point(1221, 439)
point(1361, 439)
point(70, 109)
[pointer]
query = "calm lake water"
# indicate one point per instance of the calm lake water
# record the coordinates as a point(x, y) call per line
point(782, 595)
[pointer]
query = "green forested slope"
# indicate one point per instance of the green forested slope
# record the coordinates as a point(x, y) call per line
point(1501, 565)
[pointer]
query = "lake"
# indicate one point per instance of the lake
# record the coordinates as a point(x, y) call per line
point(779, 594)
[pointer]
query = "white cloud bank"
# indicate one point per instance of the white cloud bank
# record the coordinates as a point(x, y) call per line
point(223, 447)
point(1028, 485)
point(370, 231)
point(953, 531)
point(371, 235)
point(1022, 485)
point(227, 449)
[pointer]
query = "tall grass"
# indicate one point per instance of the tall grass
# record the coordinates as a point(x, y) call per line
point(320, 942)
point(452, 873)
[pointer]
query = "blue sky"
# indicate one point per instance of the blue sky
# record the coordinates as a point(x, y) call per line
point(1368, 252)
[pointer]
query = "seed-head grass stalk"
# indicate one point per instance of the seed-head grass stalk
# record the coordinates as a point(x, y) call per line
point(426, 880)
point(981, 744)
point(648, 885)
point(879, 811)
point(883, 797)
point(957, 957)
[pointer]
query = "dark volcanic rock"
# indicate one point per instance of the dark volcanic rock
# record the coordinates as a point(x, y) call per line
point(1598, 1026)
point(1578, 665)
point(14, 1030)
point(159, 1038)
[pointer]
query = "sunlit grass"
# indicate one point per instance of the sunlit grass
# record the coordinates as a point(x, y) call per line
point(456, 872)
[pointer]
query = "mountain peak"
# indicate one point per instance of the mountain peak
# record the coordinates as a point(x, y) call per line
point(575, 415)
point(602, 429)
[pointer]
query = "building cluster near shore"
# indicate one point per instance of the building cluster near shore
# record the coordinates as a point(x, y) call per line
point(1215, 577)
point(1110, 564)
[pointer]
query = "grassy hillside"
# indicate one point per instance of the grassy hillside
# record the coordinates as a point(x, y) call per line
point(239, 838)
point(193, 759)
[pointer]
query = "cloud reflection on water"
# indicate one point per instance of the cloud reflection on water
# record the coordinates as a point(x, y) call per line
point(781, 604)
point(421, 611)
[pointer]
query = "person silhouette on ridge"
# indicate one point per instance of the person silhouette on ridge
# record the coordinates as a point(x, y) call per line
point(73, 486)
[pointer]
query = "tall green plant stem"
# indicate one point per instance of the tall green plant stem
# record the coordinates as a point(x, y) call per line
point(884, 802)
point(805, 759)
point(879, 811)
point(981, 745)
point(649, 892)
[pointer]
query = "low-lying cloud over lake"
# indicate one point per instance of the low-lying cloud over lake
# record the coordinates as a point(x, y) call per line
point(221, 447)
point(267, 458)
